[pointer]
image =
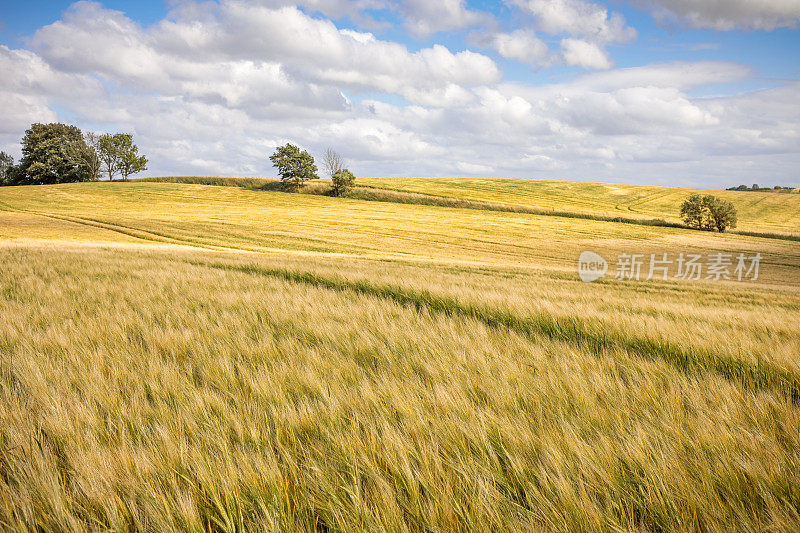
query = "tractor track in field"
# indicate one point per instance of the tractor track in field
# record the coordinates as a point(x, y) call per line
point(755, 377)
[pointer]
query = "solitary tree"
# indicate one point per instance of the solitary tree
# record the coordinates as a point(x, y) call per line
point(342, 180)
point(45, 159)
point(6, 165)
point(708, 213)
point(294, 166)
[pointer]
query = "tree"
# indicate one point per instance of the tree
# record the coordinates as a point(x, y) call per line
point(723, 214)
point(109, 154)
point(342, 180)
point(130, 162)
point(294, 166)
point(332, 162)
point(87, 155)
point(708, 213)
point(119, 155)
point(44, 155)
point(6, 166)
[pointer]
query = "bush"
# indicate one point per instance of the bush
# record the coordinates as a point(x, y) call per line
point(342, 180)
point(708, 213)
point(294, 166)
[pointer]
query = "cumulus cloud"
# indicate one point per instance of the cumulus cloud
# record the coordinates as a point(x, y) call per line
point(280, 47)
point(28, 87)
point(577, 18)
point(729, 14)
point(522, 45)
point(584, 54)
point(214, 88)
point(423, 18)
point(588, 25)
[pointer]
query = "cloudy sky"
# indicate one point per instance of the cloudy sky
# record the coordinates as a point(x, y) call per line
point(673, 92)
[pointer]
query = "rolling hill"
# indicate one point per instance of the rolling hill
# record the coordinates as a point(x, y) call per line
point(176, 355)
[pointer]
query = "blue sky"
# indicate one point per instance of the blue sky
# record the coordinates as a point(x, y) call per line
point(674, 92)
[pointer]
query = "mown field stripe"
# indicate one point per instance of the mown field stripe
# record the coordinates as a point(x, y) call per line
point(755, 377)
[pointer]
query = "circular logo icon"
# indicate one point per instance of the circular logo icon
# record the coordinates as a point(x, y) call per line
point(591, 266)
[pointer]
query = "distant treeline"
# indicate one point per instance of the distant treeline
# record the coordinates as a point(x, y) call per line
point(755, 188)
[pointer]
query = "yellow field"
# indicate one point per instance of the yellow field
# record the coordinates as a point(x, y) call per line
point(190, 357)
point(758, 211)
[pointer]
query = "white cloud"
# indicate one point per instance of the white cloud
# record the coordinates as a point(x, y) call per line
point(473, 168)
point(222, 85)
point(522, 45)
point(426, 17)
point(729, 14)
point(679, 74)
point(584, 54)
point(281, 48)
point(578, 18)
point(589, 25)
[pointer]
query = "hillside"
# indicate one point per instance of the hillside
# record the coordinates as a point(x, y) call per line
point(758, 211)
point(180, 356)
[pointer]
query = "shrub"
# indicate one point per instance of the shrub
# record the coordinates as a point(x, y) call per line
point(342, 180)
point(294, 166)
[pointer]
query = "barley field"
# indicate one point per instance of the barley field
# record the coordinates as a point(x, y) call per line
point(177, 356)
point(758, 211)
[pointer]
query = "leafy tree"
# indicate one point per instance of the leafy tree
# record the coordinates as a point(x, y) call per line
point(119, 155)
point(294, 166)
point(6, 167)
point(342, 180)
point(723, 214)
point(130, 162)
point(708, 213)
point(87, 155)
point(107, 150)
point(45, 159)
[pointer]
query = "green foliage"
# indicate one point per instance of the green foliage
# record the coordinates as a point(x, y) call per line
point(46, 150)
point(294, 166)
point(87, 155)
point(107, 150)
point(708, 213)
point(119, 155)
point(694, 213)
point(130, 162)
point(342, 180)
point(756, 188)
point(6, 167)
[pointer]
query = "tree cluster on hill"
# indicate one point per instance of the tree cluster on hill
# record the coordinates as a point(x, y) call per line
point(61, 153)
point(755, 187)
point(708, 213)
point(296, 166)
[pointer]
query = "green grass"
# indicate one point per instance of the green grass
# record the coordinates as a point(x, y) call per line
point(185, 356)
